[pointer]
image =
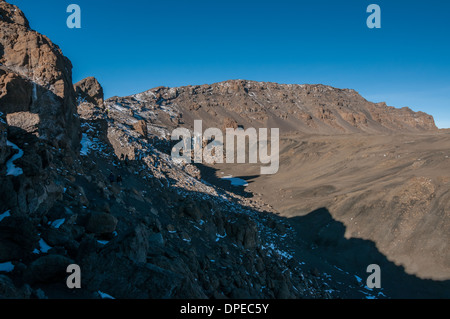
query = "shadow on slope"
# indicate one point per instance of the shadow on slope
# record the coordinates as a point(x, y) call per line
point(324, 241)
point(209, 175)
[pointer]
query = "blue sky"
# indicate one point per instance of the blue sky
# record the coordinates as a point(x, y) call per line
point(132, 46)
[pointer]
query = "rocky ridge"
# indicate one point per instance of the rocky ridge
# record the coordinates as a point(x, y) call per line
point(311, 109)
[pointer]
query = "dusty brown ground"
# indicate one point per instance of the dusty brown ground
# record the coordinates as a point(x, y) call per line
point(393, 190)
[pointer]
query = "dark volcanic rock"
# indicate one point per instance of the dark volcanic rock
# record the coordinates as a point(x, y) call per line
point(49, 268)
point(4, 150)
point(18, 237)
point(101, 223)
point(9, 291)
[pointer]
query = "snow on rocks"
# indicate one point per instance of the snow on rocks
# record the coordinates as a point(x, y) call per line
point(43, 247)
point(104, 295)
point(58, 223)
point(11, 169)
point(6, 267)
point(85, 145)
point(5, 215)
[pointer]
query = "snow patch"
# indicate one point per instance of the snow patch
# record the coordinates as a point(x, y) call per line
point(6, 267)
point(11, 169)
point(236, 181)
point(281, 253)
point(34, 95)
point(219, 237)
point(43, 247)
point(86, 144)
point(105, 295)
point(58, 223)
point(5, 215)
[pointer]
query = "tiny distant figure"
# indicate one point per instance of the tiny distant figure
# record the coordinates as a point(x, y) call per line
point(122, 157)
point(119, 179)
point(111, 178)
point(126, 160)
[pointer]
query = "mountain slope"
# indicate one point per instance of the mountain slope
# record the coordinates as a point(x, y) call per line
point(292, 108)
point(389, 189)
point(378, 169)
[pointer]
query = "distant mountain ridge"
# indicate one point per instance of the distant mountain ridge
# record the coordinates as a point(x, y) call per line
point(291, 107)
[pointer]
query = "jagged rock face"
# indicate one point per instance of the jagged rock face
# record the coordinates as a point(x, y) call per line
point(38, 115)
point(12, 14)
point(89, 95)
point(141, 128)
point(36, 78)
point(89, 90)
point(304, 108)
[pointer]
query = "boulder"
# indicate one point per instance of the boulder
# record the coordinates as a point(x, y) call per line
point(9, 291)
point(18, 237)
point(49, 268)
point(101, 223)
point(141, 128)
point(26, 121)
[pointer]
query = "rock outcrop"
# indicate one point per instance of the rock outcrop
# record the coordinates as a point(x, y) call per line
point(37, 114)
point(90, 100)
point(36, 79)
point(12, 14)
point(89, 90)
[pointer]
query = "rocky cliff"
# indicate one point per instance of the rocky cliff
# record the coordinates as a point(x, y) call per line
point(36, 92)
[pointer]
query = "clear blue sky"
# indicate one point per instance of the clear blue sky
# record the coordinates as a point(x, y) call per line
point(132, 46)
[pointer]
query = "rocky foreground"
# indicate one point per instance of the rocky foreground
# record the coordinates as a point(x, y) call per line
point(160, 230)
